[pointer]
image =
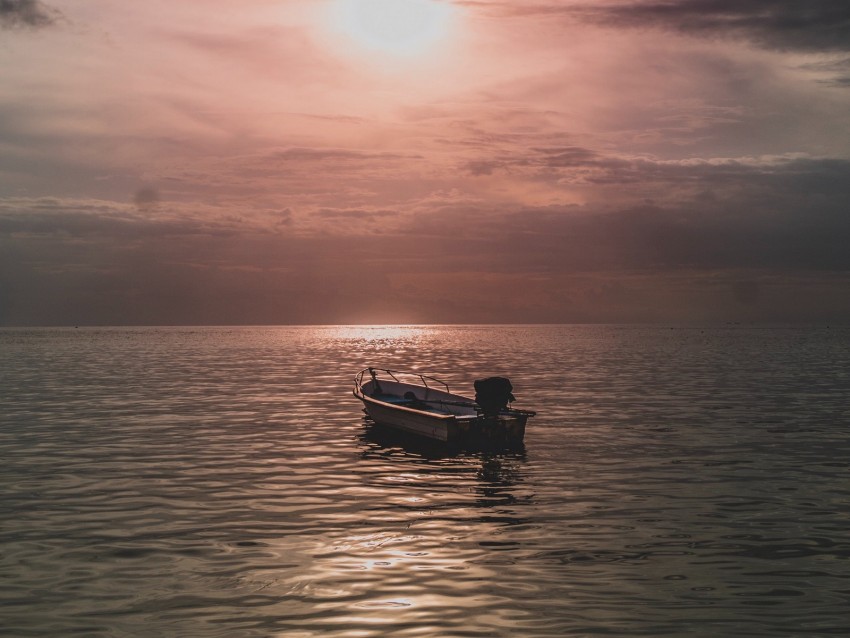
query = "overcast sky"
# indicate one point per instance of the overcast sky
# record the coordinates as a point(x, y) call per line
point(421, 161)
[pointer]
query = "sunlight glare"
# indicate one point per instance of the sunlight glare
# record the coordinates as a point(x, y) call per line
point(397, 27)
point(379, 332)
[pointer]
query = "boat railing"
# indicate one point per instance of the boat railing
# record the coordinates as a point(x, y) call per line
point(372, 372)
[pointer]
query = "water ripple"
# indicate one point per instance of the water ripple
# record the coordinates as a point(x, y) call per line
point(222, 482)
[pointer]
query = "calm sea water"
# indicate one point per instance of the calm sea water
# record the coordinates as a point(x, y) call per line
point(223, 482)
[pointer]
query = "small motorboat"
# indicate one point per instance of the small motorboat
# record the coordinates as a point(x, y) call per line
point(422, 405)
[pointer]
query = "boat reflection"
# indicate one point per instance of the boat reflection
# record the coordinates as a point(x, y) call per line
point(382, 437)
point(494, 477)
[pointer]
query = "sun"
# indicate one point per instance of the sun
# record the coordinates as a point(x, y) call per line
point(394, 27)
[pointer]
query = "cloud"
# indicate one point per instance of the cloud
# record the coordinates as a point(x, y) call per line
point(82, 261)
point(576, 157)
point(814, 25)
point(760, 238)
point(96, 221)
point(146, 198)
point(353, 214)
point(335, 154)
point(25, 13)
point(834, 72)
point(781, 214)
point(478, 168)
point(670, 179)
point(266, 51)
point(281, 218)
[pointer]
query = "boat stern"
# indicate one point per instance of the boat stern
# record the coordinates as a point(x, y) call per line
point(497, 431)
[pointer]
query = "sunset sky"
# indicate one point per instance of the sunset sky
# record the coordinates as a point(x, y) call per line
point(424, 161)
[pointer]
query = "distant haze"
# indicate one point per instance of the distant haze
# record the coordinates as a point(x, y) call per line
point(418, 161)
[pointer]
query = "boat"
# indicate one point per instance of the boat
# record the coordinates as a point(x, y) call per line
point(424, 406)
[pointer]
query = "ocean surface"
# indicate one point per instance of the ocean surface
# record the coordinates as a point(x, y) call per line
point(677, 481)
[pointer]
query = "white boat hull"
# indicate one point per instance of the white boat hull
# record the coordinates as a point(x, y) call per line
point(437, 415)
point(410, 421)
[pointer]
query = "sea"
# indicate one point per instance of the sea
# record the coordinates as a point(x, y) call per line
point(223, 481)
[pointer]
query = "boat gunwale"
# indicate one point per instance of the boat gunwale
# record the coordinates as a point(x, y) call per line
point(394, 406)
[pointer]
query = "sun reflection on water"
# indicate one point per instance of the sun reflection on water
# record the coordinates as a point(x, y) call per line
point(428, 530)
point(380, 332)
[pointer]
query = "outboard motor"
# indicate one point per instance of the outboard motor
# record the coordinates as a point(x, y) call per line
point(493, 395)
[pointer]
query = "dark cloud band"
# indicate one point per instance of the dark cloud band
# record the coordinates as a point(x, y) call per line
point(25, 13)
point(814, 25)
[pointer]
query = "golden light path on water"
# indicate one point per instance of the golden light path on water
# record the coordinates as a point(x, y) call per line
point(379, 332)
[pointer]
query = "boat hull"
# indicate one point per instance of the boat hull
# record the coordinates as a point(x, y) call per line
point(507, 429)
point(429, 412)
point(411, 421)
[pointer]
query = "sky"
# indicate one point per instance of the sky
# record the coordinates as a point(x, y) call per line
point(424, 161)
